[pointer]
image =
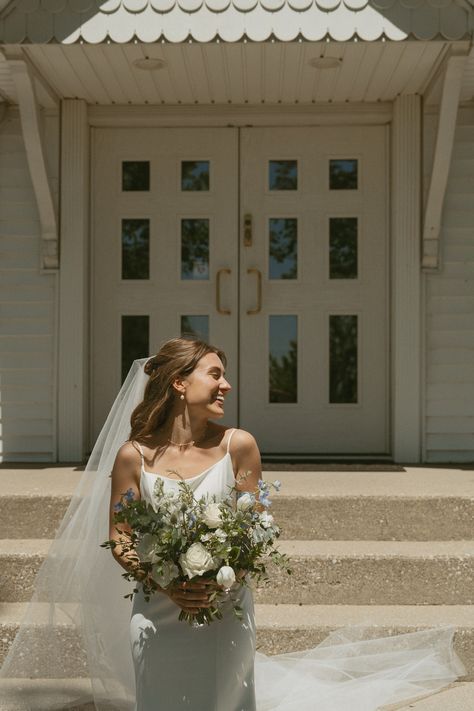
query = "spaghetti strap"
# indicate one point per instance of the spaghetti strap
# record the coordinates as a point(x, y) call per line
point(228, 441)
point(141, 454)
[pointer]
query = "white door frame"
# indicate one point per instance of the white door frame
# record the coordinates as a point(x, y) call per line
point(405, 356)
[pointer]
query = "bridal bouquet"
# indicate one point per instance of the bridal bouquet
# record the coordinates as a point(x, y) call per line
point(179, 537)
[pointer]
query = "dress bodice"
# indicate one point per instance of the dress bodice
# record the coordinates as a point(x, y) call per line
point(216, 480)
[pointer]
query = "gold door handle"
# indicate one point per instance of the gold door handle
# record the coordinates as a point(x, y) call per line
point(219, 309)
point(259, 291)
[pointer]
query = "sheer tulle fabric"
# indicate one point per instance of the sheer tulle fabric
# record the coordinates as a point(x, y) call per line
point(77, 624)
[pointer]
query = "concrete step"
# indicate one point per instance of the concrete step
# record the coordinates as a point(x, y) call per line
point(415, 504)
point(41, 695)
point(458, 696)
point(280, 628)
point(324, 572)
point(289, 627)
point(373, 573)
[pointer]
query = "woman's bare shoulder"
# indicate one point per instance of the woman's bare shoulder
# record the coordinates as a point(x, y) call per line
point(128, 455)
point(242, 442)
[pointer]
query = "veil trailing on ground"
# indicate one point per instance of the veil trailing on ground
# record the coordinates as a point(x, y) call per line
point(73, 644)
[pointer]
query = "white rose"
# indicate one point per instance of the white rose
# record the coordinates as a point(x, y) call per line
point(266, 519)
point(245, 501)
point(146, 549)
point(169, 572)
point(226, 576)
point(196, 560)
point(212, 516)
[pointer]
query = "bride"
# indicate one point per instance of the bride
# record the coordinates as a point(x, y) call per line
point(92, 645)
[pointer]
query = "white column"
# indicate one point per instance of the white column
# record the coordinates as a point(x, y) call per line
point(73, 282)
point(406, 278)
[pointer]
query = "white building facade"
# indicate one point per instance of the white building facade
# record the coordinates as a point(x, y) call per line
point(291, 181)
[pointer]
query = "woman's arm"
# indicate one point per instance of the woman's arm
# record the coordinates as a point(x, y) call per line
point(125, 476)
point(248, 465)
point(247, 462)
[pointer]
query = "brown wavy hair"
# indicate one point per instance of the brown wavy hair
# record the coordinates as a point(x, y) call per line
point(176, 358)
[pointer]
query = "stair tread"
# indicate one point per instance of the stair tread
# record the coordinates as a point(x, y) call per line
point(423, 482)
point(287, 615)
point(303, 548)
point(455, 697)
point(381, 549)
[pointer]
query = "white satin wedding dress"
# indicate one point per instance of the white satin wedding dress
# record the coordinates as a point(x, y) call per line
point(216, 668)
point(178, 667)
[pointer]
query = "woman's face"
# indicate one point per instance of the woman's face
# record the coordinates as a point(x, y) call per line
point(206, 386)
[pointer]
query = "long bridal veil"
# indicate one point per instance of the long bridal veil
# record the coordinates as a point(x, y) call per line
point(73, 644)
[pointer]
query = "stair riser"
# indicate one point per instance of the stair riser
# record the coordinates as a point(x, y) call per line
point(374, 518)
point(321, 580)
point(371, 581)
point(269, 641)
point(31, 516)
point(329, 518)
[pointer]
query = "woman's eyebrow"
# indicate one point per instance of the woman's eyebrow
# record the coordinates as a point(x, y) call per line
point(214, 367)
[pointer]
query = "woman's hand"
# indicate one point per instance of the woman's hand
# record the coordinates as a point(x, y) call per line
point(191, 595)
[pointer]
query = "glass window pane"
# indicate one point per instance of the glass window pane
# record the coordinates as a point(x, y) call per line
point(343, 248)
point(195, 249)
point(343, 358)
point(283, 175)
point(195, 175)
point(194, 325)
point(135, 340)
point(283, 359)
point(135, 248)
point(135, 175)
point(343, 174)
point(283, 248)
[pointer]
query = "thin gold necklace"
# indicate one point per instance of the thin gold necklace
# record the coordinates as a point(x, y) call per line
point(186, 444)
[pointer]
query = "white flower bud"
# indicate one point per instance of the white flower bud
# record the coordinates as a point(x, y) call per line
point(226, 576)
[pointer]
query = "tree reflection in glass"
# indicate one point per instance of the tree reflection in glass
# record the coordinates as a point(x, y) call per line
point(135, 248)
point(343, 174)
point(135, 340)
point(195, 248)
point(283, 175)
point(343, 358)
point(194, 325)
point(135, 175)
point(283, 248)
point(343, 248)
point(283, 355)
point(194, 175)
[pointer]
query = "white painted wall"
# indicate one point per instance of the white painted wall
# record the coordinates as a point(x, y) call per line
point(27, 305)
point(449, 307)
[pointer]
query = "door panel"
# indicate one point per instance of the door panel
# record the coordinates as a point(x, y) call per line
point(310, 367)
point(313, 356)
point(165, 236)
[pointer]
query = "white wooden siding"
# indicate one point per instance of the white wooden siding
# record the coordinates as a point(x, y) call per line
point(449, 318)
point(27, 308)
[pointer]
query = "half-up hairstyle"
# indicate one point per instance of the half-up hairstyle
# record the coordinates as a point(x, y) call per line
point(176, 358)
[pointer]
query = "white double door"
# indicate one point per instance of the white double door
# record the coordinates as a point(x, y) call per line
point(271, 243)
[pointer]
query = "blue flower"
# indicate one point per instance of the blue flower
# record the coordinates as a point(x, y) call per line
point(129, 495)
point(118, 507)
point(264, 500)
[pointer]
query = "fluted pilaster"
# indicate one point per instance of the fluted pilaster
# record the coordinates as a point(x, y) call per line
point(73, 280)
point(406, 275)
